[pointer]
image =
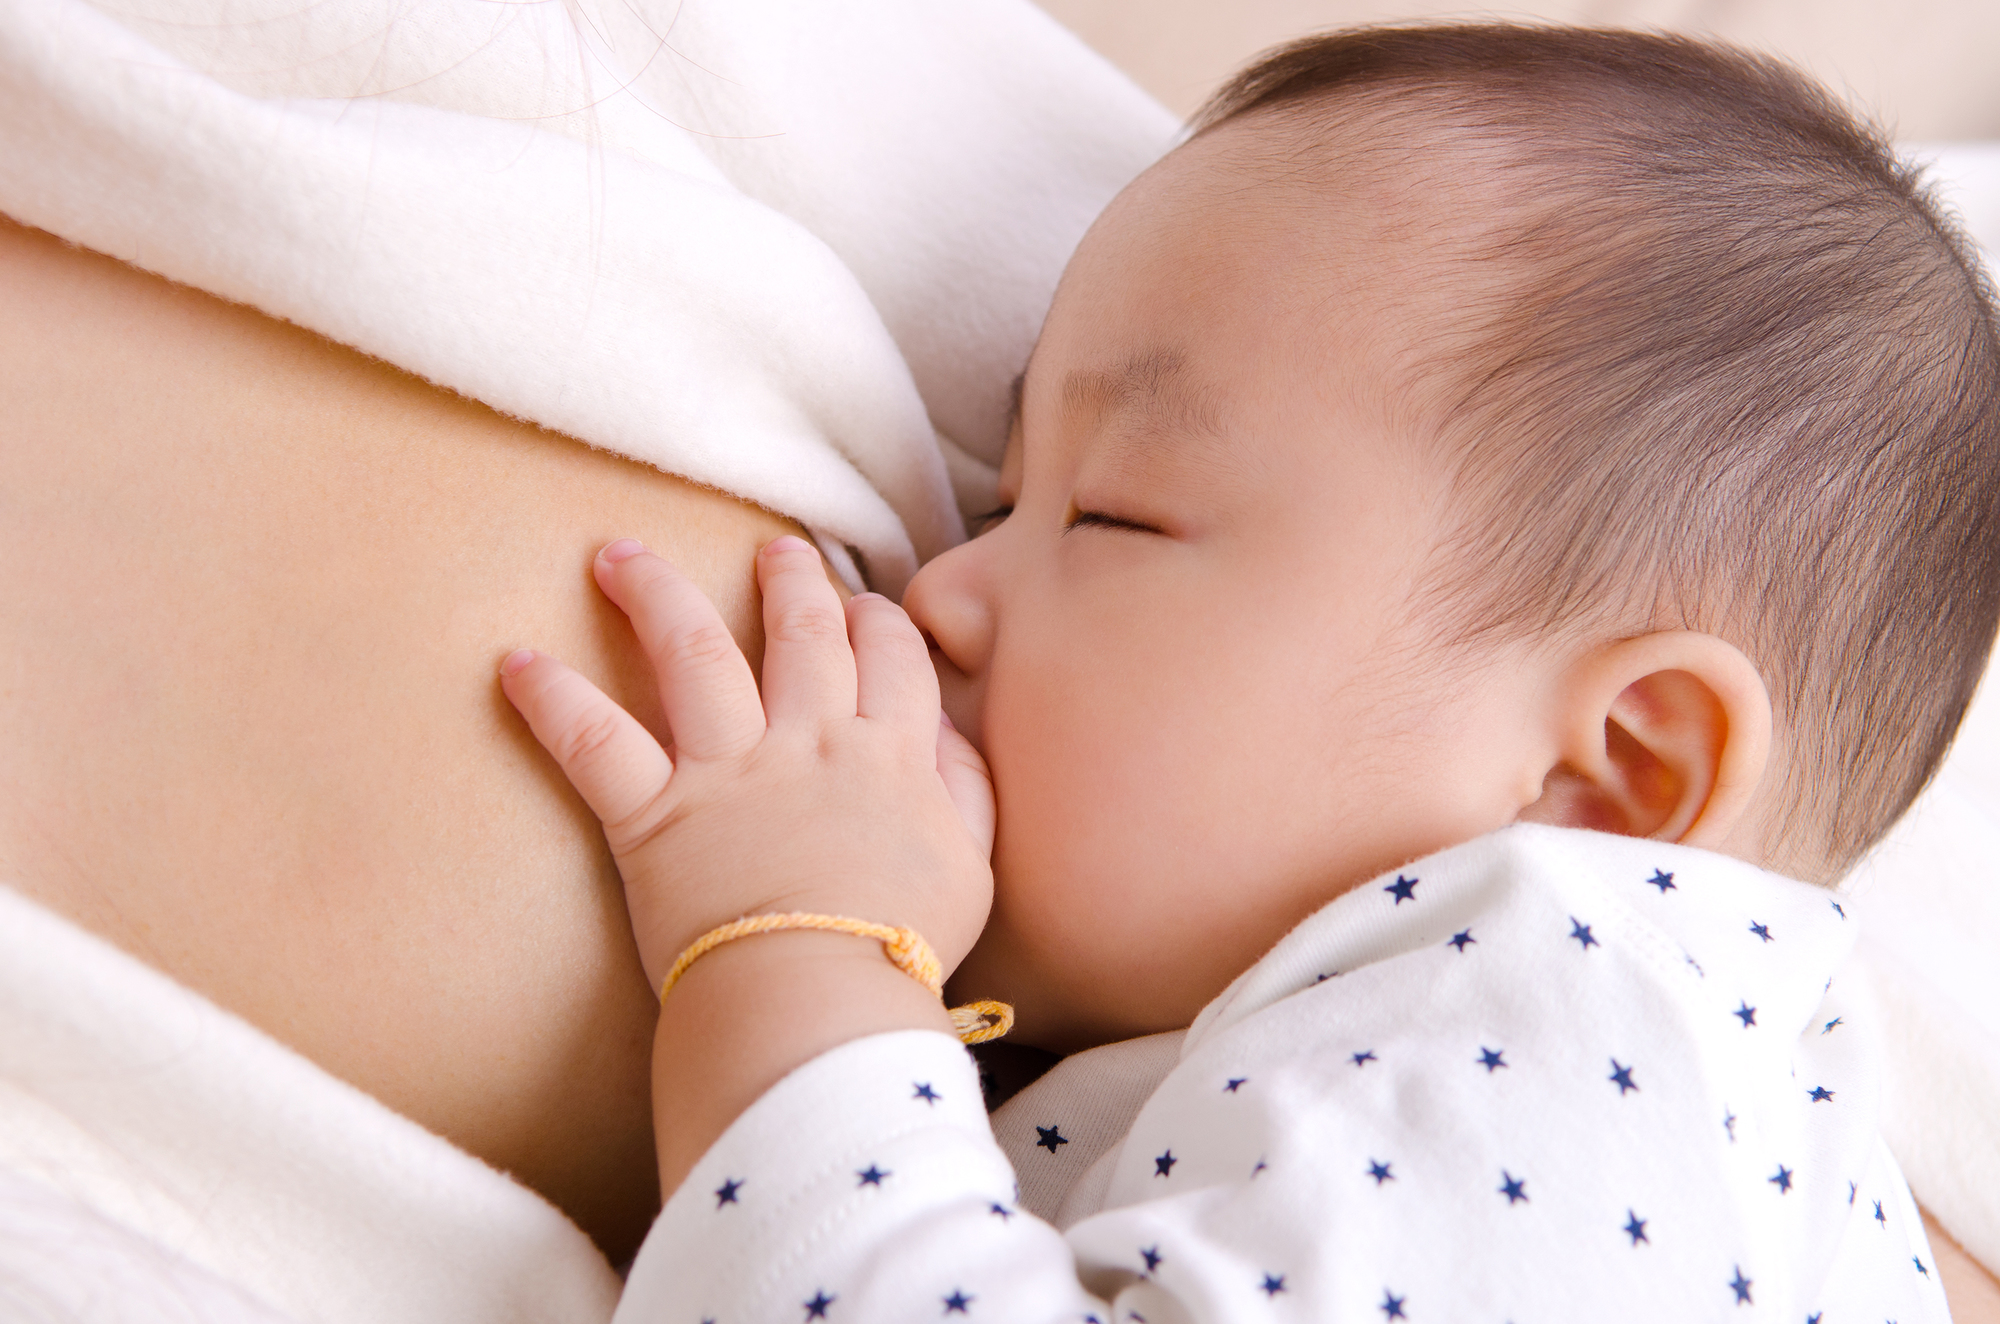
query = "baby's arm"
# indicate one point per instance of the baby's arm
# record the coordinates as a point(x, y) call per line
point(834, 792)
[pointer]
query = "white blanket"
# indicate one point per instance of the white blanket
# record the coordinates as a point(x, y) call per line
point(795, 251)
point(160, 1160)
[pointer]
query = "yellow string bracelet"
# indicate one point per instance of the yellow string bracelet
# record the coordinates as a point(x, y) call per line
point(976, 1022)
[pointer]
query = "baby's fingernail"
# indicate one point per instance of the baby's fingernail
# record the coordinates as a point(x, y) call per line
point(863, 597)
point(945, 718)
point(623, 549)
point(511, 664)
point(786, 542)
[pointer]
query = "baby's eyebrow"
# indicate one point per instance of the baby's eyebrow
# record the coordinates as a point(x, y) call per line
point(1154, 387)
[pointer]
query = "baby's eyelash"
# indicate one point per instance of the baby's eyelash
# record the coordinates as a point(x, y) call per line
point(1097, 519)
point(978, 523)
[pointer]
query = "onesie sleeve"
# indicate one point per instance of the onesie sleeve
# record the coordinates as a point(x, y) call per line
point(865, 1186)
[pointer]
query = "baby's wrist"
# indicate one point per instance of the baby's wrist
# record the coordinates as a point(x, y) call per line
point(668, 960)
point(752, 1011)
point(785, 955)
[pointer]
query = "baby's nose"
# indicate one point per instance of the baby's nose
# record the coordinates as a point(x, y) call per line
point(951, 602)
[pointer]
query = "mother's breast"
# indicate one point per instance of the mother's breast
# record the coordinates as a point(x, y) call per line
point(253, 590)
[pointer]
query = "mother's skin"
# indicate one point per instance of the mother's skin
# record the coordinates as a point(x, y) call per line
point(256, 589)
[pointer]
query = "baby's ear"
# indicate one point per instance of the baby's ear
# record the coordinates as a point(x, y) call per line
point(1664, 736)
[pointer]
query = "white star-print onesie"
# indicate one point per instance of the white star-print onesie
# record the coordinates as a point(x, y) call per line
point(1545, 1075)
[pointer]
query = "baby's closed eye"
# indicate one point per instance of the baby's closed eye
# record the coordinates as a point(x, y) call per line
point(1097, 519)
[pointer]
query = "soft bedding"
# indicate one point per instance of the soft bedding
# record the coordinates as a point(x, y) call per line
point(790, 251)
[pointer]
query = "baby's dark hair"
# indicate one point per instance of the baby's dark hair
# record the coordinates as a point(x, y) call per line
point(1743, 377)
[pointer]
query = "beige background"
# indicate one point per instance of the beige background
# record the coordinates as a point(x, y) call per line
point(1928, 69)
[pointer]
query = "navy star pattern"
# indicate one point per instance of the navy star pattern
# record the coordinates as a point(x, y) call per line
point(1514, 1189)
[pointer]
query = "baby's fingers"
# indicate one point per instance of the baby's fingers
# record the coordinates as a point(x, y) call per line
point(896, 681)
point(706, 688)
point(614, 763)
point(808, 663)
point(969, 784)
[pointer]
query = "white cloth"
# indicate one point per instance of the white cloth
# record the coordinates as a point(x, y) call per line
point(1543, 1075)
point(795, 251)
point(162, 1160)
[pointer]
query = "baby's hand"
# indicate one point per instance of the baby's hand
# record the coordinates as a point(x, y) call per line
point(840, 791)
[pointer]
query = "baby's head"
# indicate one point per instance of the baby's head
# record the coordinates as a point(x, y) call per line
point(1467, 425)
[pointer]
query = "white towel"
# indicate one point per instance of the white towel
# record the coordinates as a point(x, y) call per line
point(162, 1160)
point(795, 251)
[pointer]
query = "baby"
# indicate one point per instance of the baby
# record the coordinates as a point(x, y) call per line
point(1495, 522)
